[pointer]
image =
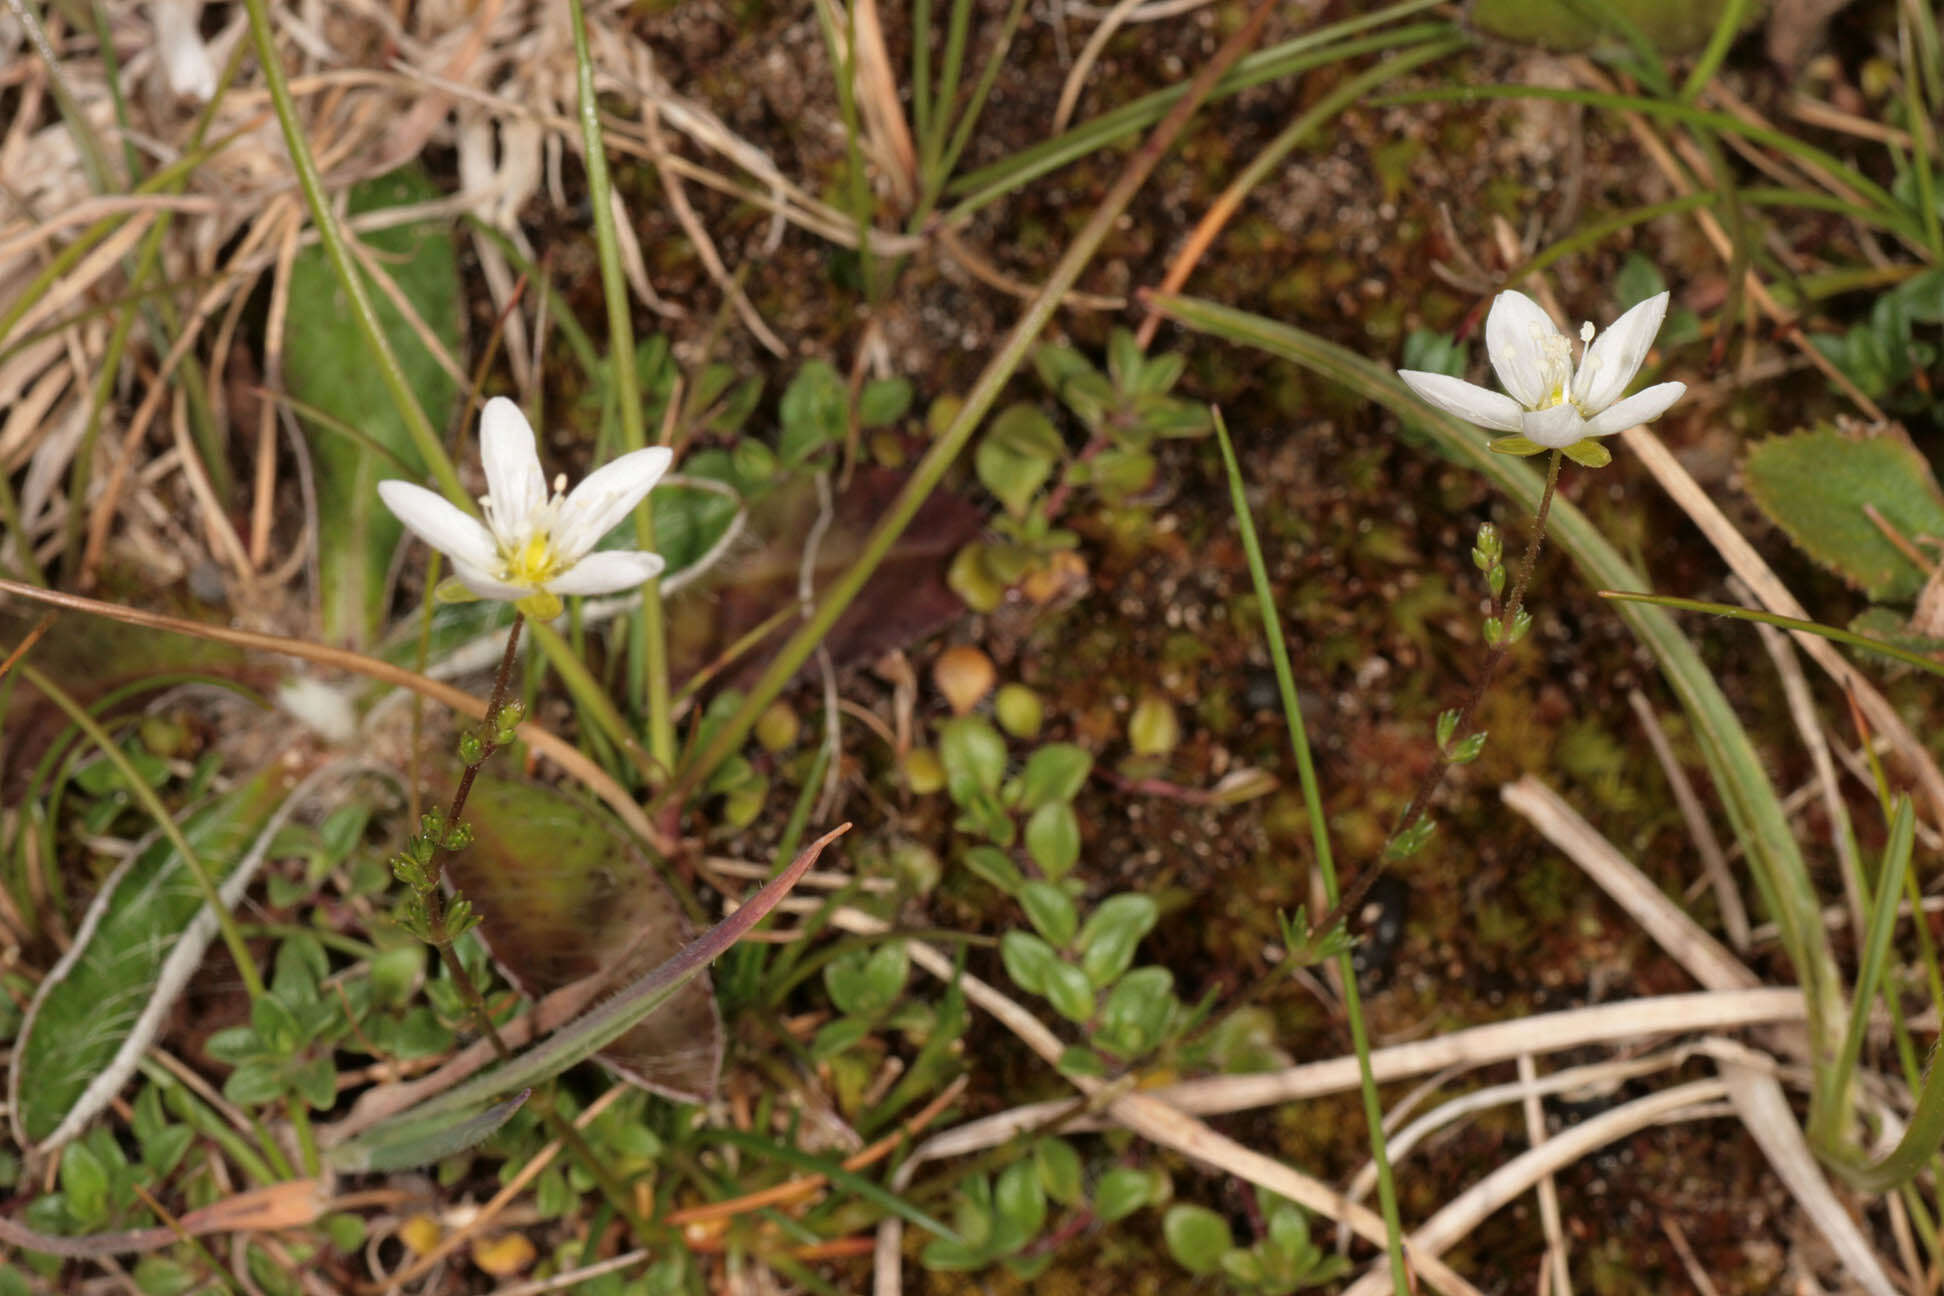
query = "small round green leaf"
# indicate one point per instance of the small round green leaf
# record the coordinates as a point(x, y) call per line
point(1197, 1237)
point(1051, 912)
point(1112, 932)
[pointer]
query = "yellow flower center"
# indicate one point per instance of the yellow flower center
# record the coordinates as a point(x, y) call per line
point(533, 563)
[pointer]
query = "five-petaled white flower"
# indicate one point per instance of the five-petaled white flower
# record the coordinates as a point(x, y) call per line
point(1553, 405)
point(532, 548)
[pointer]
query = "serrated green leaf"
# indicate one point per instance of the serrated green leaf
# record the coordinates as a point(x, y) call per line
point(1816, 484)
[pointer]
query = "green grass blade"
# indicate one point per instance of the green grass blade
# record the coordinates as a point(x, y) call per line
point(1726, 28)
point(427, 441)
point(151, 803)
point(1319, 838)
point(1833, 633)
point(1875, 955)
point(651, 626)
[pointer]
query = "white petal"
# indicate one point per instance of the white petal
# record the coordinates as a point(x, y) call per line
point(1516, 330)
point(514, 480)
point(486, 586)
point(185, 59)
point(1644, 406)
point(1468, 401)
point(607, 495)
point(437, 521)
point(607, 572)
point(1555, 428)
point(1615, 356)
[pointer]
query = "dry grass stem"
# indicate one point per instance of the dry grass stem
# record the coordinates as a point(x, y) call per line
point(1684, 940)
point(1766, 1114)
point(1714, 863)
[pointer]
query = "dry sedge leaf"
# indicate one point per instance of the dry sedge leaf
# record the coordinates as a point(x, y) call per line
point(562, 895)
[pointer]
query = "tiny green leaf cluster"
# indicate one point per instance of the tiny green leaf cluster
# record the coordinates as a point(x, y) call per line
point(1284, 1259)
point(1022, 453)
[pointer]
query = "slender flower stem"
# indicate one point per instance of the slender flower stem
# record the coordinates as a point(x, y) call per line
point(434, 903)
point(1354, 894)
point(1325, 858)
point(563, 1129)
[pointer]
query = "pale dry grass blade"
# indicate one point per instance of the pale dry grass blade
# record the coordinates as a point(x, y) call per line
point(1685, 940)
point(1083, 63)
point(1541, 1035)
point(1822, 116)
point(1465, 1212)
point(1534, 1112)
point(705, 249)
point(1714, 863)
point(1763, 1109)
point(1594, 1078)
point(885, 128)
point(264, 491)
point(1775, 596)
point(221, 535)
point(1703, 1285)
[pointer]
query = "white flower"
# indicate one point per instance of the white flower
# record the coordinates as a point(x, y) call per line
point(532, 548)
point(1553, 405)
